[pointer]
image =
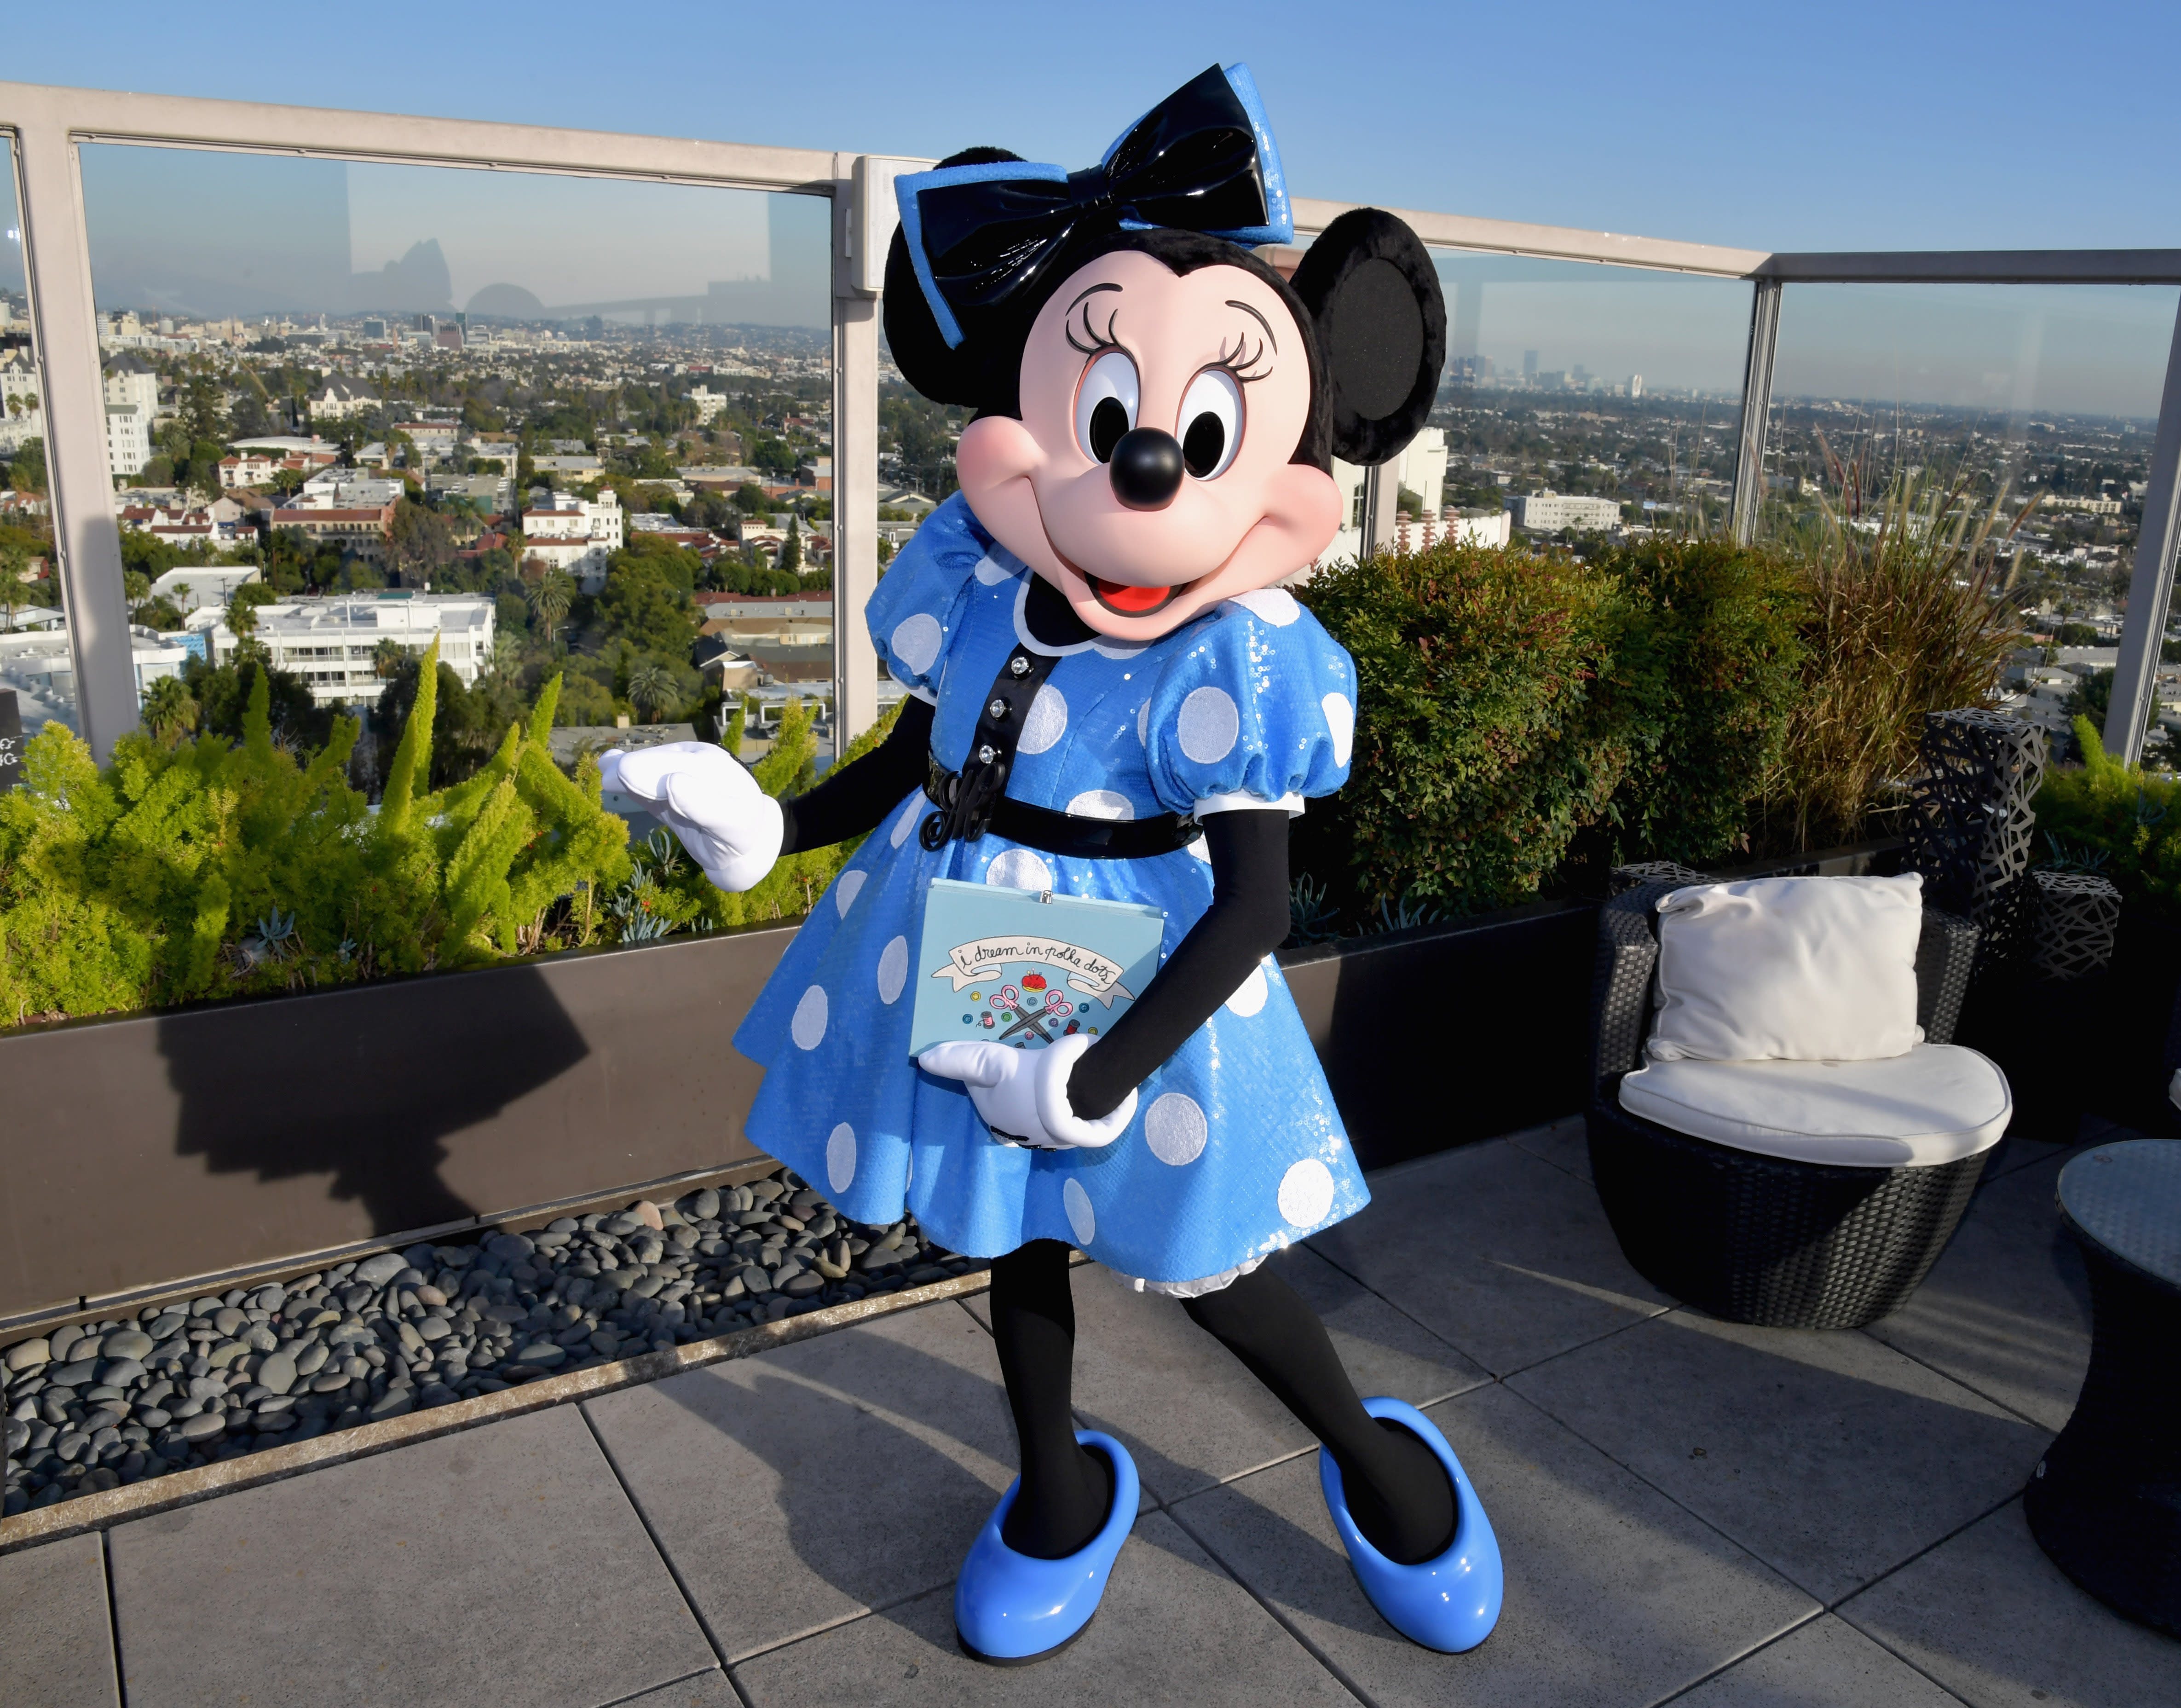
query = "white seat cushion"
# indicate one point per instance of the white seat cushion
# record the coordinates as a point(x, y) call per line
point(1936, 1104)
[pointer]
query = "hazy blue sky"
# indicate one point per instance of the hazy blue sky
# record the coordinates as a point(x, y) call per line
point(1853, 125)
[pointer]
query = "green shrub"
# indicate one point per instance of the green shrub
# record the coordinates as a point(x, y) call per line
point(1479, 750)
point(1706, 672)
point(2117, 820)
point(208, 869)
point(1518, 706)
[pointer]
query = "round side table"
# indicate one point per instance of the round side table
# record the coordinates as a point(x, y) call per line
point(2106, 1500)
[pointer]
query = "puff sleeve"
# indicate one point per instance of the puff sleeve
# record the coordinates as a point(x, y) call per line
point(1258, 709)
point(918, 608)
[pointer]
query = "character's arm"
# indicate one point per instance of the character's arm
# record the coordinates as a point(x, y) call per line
point(1247, 920)
point(854, 798)
point(734, 830)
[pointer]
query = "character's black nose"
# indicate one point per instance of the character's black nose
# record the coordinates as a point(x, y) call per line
point(1147, 469)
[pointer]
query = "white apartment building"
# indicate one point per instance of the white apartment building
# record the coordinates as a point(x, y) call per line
point(37, 666)
point(129, 380)
point(128, 439)
point(575, 534)
point(1550, 511)
point(431, 437)
point(708, 403)
point(337, 397)
point(1420, 467)
point(331, 643)
point(197, 586)
point(1491, 529)
point(20, 419)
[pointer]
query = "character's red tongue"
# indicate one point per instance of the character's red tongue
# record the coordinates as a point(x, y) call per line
point(1134, 601)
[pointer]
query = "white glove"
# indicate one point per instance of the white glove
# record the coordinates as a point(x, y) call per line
point(1022, 1094)
point(730, 826)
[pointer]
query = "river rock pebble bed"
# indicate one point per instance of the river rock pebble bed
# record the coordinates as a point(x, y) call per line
point(93, 1406)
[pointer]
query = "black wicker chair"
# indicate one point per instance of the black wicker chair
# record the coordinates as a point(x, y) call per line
point(1761, 1239)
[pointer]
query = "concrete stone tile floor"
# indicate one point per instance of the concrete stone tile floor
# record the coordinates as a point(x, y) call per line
point(1690, 1512)
point(55, 1636)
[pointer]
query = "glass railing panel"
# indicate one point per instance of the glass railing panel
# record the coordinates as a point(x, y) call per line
point(1578, 399)
point(37, 675)
point(2003, 433)
point(565, 425)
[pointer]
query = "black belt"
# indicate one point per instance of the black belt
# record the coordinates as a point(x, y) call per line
point(1046, 831)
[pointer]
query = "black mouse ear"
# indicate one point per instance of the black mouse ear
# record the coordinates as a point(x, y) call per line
point(944, 375)
point(1374, 299)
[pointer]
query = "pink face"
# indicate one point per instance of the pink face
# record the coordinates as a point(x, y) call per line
point(1148, 476)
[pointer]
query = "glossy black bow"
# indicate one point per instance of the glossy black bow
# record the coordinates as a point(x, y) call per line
point(1203, 160)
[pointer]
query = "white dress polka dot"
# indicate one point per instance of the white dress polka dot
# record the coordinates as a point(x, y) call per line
point(1208, 725)
point(1082, 1220)
point(1175, 1129)
point(809, 1027)
point(1046, 721)
point(916, 641)
point(1306, 1192)
point(1340, 721)
point(1237, 1148)
point(1249, 995)
point(1019, 869)
point(1102, 803)
point(893, 970)
point(841, 1157)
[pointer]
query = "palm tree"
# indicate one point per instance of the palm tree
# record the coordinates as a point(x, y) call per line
point(169, 712)
point(136, 586)
point(15, 591)
point(652, 685)
point(387, 657)
point(549, 597)
point(506, 655)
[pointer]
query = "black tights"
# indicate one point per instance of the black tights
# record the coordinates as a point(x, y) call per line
point(1397, 1493)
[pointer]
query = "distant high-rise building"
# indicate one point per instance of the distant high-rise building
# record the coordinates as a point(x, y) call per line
point(1529, 364)
point(1635, 385)
point(374, 329)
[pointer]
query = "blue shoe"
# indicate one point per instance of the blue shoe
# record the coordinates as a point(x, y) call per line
point(1009, 1609)
point(1449, 1604)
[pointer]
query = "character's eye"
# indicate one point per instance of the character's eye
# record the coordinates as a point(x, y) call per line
point(1105, 405)
point(1211, 423)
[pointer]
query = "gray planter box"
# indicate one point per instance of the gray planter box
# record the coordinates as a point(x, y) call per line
point(137, 1150)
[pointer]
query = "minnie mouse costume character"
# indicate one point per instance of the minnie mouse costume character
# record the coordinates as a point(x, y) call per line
point(1110, 698)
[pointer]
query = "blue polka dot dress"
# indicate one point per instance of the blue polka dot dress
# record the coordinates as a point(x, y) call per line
point(1236, 1148)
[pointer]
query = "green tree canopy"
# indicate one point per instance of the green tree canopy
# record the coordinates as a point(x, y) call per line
point(641, 606)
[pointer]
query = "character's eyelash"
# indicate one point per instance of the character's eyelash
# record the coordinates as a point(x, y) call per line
point(1097, 340)
point(1241, 359)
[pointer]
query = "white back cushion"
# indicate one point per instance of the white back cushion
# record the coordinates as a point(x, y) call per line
point(1799, 970)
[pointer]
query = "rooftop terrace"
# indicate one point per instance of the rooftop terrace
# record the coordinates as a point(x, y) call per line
point(1690, 1511)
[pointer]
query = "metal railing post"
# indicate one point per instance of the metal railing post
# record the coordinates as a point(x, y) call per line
point(855, 450)
point(1381, 498)
point(1756, 410)
point(65, 321)
point(2136, 675)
